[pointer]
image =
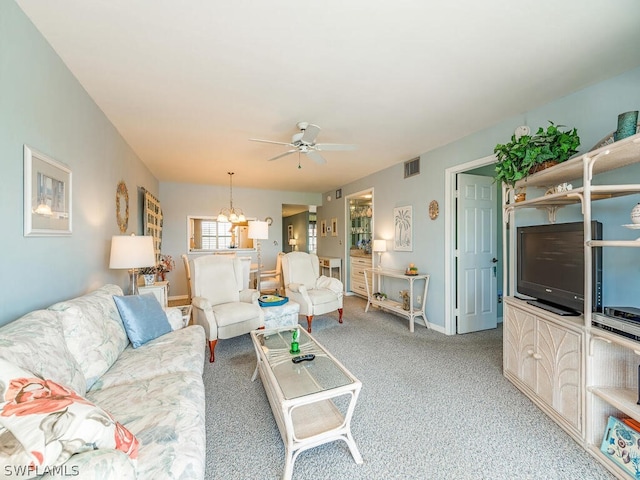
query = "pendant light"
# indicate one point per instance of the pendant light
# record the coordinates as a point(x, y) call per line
point(230, 214)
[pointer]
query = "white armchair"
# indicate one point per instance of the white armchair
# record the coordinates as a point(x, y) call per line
point(303, 283)
point(220, 304)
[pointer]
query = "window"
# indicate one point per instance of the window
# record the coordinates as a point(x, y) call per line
point(313, 239)
point(206, 233)
point(215, 235)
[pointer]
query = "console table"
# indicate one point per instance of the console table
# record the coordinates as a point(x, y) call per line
point(329, 264)
point(392, 305)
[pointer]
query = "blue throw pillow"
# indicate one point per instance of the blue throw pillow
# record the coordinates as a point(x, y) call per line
point(143, 317)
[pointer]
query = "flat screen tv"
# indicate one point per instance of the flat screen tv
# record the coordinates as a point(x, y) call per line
point(551, 266)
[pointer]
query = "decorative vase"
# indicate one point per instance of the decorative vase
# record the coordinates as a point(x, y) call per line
point(149, 279)
point(161, 276)
point(635, 214)
point(405, 300)
point(520, 195)
point(627, 125)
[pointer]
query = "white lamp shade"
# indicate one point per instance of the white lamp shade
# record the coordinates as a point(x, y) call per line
point(293, 241)
point(130, 251)
point(379, 246)
point(258, 230)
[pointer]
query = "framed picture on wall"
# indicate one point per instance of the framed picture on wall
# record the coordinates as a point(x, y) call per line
point(153, 221)
point(47, 195)
point(403, 228)
point(323, 228)
point(289, 232)
point(334, 227)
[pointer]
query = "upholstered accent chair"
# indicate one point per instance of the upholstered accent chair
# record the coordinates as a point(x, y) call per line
point(220, 303)
point(316, 294)
point(271, 280)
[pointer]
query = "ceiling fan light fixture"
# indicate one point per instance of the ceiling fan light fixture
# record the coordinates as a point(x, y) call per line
point(304, 141)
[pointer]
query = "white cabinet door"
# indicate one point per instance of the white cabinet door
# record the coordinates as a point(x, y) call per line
point(519, 345)
point(545, 357)
point(559, 367)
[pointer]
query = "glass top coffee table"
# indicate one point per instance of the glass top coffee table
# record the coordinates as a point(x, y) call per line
point(312, 401)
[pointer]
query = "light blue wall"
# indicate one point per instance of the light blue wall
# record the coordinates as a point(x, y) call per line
point(593, 111)
point(43, 105)
point(180, 200)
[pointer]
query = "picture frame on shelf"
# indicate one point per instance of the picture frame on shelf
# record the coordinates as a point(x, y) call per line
point(47, 195)
point(403, 229)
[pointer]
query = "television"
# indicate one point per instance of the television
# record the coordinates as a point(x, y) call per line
point(551, 266)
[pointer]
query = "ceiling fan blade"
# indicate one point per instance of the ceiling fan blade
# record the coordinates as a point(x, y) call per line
point(269, 141)
point(335, 146)
point(283, 154)
point(316, 157)
point(310, 133)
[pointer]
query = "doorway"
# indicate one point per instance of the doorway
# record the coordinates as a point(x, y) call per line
point(299, 228)
point(482, 166)
point(359, 216)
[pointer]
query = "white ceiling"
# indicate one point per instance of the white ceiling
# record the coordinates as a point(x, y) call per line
point(188, 83)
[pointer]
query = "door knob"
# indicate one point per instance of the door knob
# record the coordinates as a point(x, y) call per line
point(494, 260)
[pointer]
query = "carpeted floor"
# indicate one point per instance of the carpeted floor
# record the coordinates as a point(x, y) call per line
point(431, 407)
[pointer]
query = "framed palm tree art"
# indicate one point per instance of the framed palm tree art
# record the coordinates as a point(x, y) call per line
point(403, 228)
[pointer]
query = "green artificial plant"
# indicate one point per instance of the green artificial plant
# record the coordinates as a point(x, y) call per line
point(520, 156)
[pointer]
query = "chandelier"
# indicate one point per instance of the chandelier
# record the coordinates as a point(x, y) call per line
point(230, 214)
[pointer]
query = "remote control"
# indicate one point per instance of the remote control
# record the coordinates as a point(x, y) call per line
point(302, 358)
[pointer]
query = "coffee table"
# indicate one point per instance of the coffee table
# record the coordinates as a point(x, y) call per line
point(312, 401)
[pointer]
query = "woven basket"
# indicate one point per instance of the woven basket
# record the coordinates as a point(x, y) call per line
point(541, 166)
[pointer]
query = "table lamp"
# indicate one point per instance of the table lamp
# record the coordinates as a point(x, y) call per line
point(379, 246)
point(258, 230)
point(132, 252)
point(292, 243)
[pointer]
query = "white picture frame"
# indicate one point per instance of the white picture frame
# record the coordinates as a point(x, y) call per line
point(403, 229)
point(47, 195)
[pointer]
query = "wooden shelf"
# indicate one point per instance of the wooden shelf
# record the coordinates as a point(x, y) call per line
point(624, 399)
point(610, 157)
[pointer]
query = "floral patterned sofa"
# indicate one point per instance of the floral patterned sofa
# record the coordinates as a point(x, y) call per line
point(79, 401)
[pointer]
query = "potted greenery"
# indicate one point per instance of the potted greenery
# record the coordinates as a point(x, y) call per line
point(528, 154)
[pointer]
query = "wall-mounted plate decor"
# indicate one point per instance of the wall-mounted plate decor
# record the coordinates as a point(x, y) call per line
point(122, 207)
point(434, 210)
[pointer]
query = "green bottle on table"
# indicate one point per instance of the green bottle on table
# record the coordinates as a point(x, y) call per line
point(295, 346)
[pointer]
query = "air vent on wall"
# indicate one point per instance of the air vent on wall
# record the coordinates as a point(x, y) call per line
point(412, 167)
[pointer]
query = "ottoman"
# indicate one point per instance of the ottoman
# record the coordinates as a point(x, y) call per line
point(281, 316)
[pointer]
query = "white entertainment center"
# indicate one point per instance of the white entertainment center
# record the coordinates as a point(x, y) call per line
point(578, 374)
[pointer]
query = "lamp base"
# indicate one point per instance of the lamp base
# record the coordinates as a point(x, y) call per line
point(134, 281)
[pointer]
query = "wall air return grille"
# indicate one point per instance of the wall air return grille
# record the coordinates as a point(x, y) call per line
point(412, 167)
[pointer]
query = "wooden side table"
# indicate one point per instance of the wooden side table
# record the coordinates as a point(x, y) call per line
point(159, 289)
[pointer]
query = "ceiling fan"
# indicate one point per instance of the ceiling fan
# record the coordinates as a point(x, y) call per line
point(305, 142)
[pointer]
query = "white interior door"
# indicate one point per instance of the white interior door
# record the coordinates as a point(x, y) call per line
point(477, 242)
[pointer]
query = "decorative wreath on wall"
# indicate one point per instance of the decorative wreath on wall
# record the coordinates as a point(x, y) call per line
point(434, 210)
point(122, 207)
